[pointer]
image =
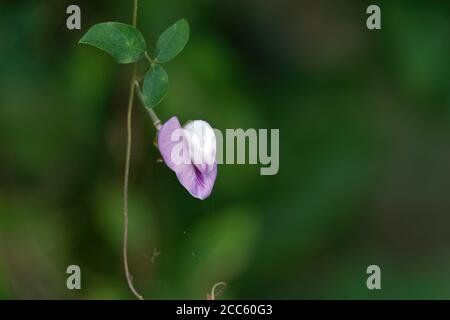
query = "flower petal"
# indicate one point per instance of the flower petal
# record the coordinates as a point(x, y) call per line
point(199, 184)
point(177, 150)
point(202, 144)
point(167, 141)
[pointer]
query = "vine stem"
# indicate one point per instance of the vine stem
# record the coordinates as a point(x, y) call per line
point(215, 294)
point(127, 170)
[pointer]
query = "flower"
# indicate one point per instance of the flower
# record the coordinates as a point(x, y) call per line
point(191, 153)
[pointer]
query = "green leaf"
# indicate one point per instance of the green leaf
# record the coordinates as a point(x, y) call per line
point(123, 42)
point(172, 41)
point(156, 84)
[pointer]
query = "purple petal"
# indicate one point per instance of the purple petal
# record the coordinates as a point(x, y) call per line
point(199, 184)
point(166, 141)
point(174, 148)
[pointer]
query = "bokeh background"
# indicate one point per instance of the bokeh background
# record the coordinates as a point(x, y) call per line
point(364, 119)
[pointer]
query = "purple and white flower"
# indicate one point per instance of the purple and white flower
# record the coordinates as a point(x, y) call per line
point(190, 151)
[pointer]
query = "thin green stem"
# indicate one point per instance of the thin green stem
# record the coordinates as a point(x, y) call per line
point(154, 117)
point(152, 114)
point(142, 76)
point(152, 62)
point(149, 67)
point(127, 170)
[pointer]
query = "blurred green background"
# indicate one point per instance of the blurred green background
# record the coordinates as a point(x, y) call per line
point(364, 119)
